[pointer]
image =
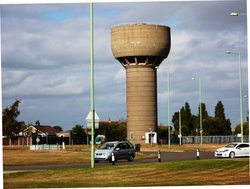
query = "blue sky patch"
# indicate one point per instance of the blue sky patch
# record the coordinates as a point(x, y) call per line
point(58, 15)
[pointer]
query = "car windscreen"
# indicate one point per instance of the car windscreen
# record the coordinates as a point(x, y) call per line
point(230, 145)
point(107, 146)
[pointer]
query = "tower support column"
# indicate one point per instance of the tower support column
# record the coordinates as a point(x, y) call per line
point(141, 102)
point(140, 48)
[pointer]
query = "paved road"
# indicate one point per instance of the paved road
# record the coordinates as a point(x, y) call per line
point(165, 157)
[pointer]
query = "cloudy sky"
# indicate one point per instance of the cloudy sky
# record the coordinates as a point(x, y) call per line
point(45, 58)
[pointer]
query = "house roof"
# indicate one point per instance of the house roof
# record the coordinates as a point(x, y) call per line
point(41, 130)
point(47, 128)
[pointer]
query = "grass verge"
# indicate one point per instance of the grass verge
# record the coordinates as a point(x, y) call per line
point(30, 157)
point(181, 173)
point(42, 157)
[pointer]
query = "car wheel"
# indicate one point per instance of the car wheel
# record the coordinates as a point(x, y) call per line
point(96, 161)
point(232, 155)
point(130, 157)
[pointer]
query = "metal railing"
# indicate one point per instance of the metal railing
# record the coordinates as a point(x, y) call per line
point(45, 147)
point(213, 139)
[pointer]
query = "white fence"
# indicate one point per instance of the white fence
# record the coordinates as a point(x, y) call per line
point(45, 147)
point(213, 139)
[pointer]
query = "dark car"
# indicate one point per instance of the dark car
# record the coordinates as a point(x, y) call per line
point(120, 149)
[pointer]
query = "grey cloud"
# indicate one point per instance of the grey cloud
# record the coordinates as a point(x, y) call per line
point(45, 57)
point(61, 45)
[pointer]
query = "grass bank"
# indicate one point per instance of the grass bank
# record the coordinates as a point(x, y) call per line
point(14, 155)
point(42, 157)
point(181, 173)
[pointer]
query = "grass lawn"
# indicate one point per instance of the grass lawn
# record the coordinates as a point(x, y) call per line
point(74, 154)
point(81, 153)
point(181, 173)
point(32, 157)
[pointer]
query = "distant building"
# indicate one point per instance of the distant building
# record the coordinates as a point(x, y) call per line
point(41, 130)
point(45, 130)
point(29, 132)
point(64, 134)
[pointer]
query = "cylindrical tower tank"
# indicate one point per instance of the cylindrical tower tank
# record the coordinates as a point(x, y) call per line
point(140, 48)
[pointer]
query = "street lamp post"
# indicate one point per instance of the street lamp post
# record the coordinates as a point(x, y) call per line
point(169, 109)
point(200, 97)
point(180, 126)
point(92, 86)
point(240, 78)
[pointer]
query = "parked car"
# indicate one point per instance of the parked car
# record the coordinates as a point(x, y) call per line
point(233, 150)
point(120, 149)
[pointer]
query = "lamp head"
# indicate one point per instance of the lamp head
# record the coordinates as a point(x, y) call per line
point(234, 14)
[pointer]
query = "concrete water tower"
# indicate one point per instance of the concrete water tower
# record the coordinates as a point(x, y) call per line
point(141, 48)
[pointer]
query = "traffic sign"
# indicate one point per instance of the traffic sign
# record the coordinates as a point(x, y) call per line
point(37, 140)
point(89, 120)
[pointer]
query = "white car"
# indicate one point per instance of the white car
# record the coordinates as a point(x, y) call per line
point(233, 150)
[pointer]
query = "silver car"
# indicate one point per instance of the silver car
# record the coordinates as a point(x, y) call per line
point(120, 149)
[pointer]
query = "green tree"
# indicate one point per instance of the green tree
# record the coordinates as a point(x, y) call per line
point(175, 120)
point(237, 129)
point(162, 132)
point(78, 130)
point(219, 111)
point(79, 135)
point(11, 127)
point(187, 121)
point(59, 128)
point(209, 126)
point(112, 130)
point(203, 111)
point(223, 124)
point(205, 120)
point(217, 125)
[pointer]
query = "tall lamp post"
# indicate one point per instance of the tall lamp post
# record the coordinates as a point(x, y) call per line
point(92, 86)
point(169, 109)
point(180, 126)
point(240, 78)
point(201, 131)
